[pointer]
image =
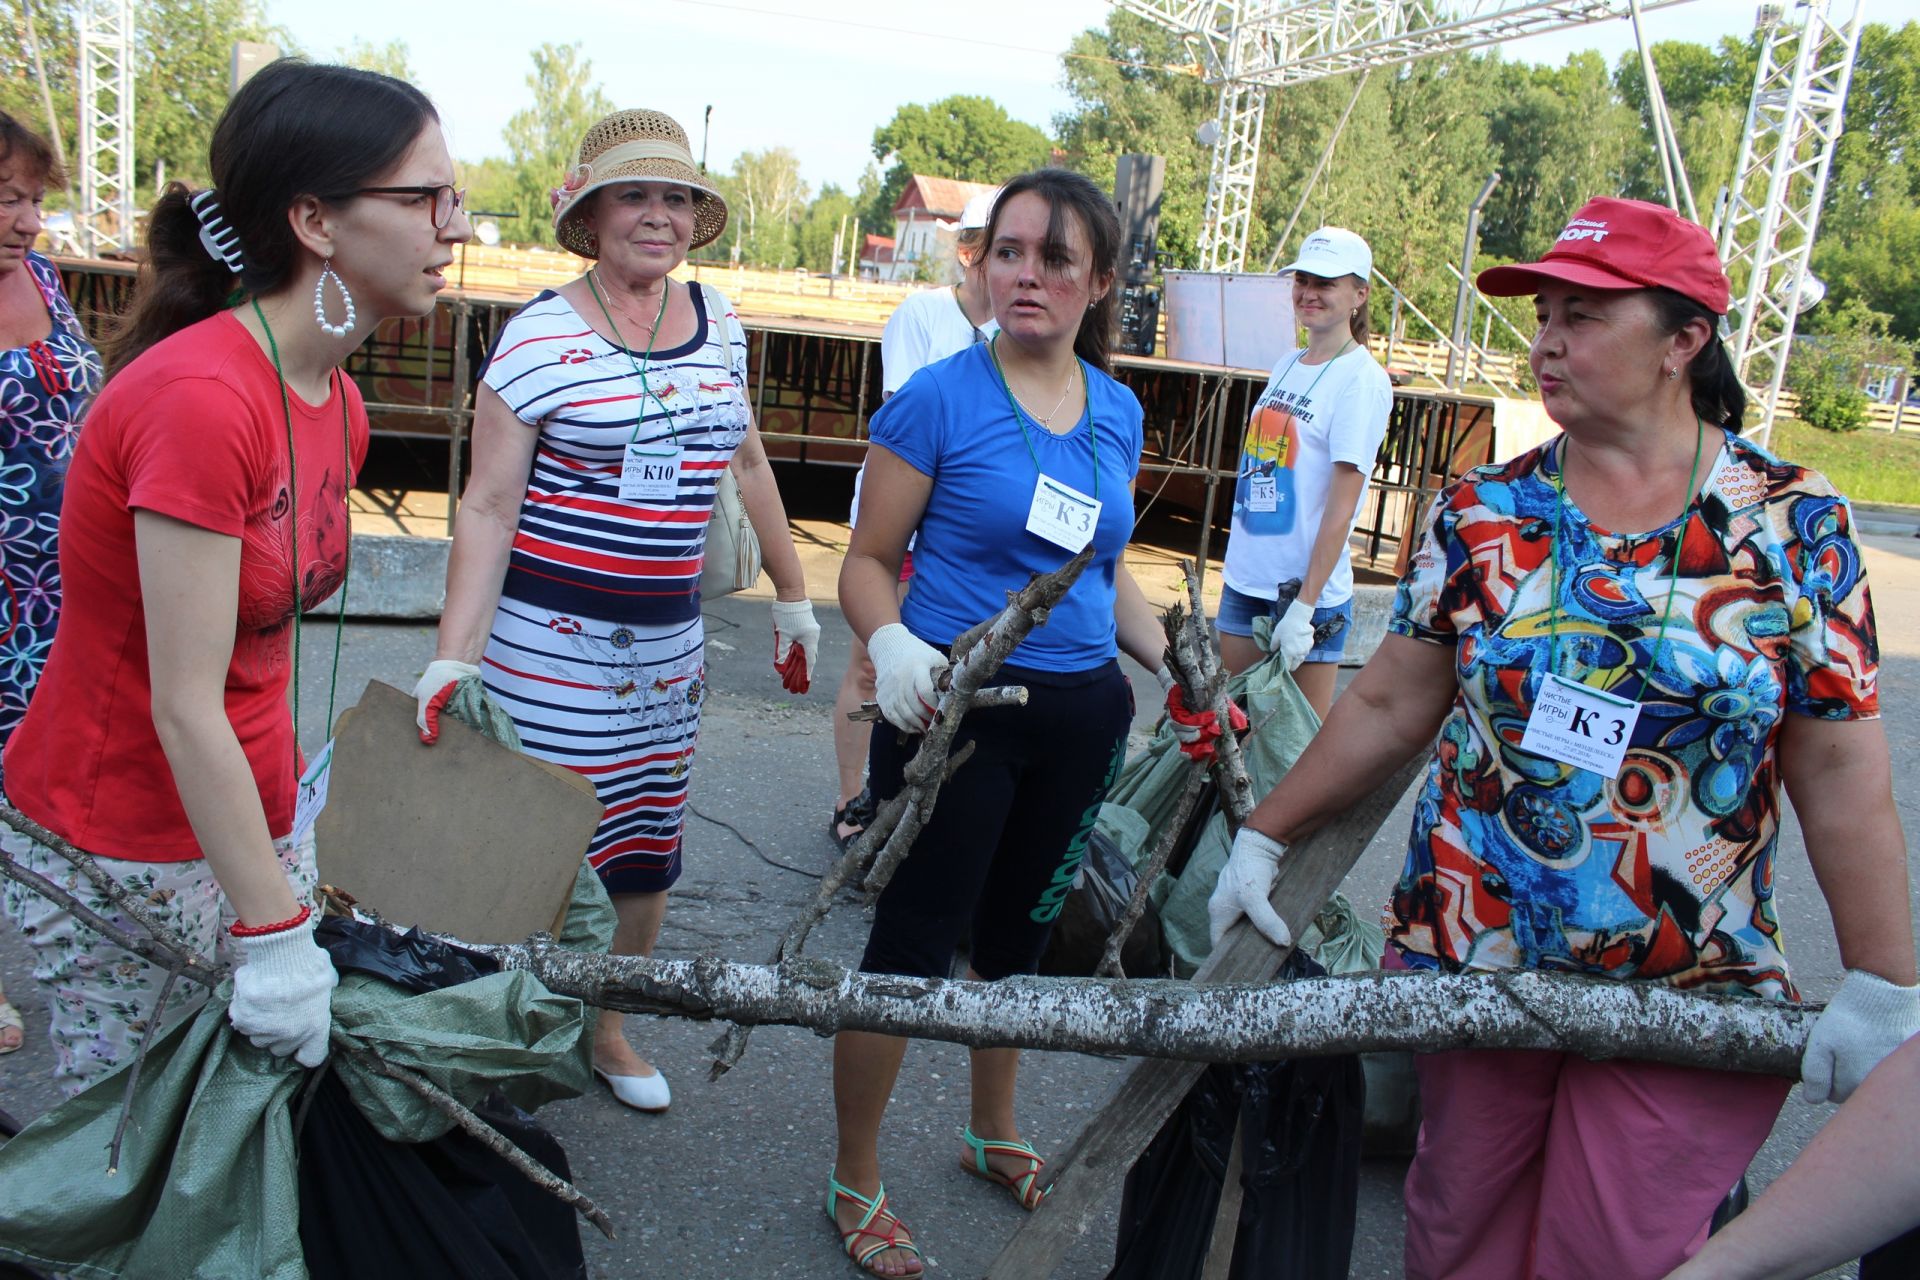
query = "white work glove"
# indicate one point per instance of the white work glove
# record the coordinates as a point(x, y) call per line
point(431, 693)
point(283, 994)
point(1293, 633)
point(906, 670)
point(795, 628)
point(1244, 886)
point(1867, 1019)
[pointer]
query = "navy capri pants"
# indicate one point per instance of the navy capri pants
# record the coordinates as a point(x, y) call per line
point(1010, 828)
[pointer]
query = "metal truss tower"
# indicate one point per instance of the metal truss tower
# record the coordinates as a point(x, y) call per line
point(1780, 180)
point(105, 220)
point(1236, 157)
point(1248, 46)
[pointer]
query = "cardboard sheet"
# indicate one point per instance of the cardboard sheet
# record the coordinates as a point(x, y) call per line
point(463, 837)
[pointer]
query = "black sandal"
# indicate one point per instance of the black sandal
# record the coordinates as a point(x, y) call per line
point(857, 813)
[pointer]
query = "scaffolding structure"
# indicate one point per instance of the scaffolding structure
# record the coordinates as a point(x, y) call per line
point(1250, 46)
point(105, 220)
point(1772, 210)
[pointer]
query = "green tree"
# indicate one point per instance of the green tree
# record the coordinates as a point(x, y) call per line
point(1873, 259)
point(965, 137)
point(543, 140)
point(391, 59)
point(1706, 91)
point(1563, 138)
point(1134, 92)
point(182, 60)
point(53, 28)
point(766, 200)
point(826, 225)
point(1869, 243)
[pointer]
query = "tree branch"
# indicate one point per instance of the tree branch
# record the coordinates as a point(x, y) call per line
point(1227, 1022)
point(1156, 864)
point(166, 949)
point(1196, 661)
point(976, 656)
point(162, 950)
point(182, 954)
point(449, 1106)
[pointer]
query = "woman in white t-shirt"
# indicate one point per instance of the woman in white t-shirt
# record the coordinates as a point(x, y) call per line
point(929, 325)
point(1309, 445)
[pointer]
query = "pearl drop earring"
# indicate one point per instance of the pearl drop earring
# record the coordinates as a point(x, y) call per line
point(320, 301)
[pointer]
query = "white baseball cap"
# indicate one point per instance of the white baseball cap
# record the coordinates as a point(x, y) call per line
point(978, 210)
point(1332, 252)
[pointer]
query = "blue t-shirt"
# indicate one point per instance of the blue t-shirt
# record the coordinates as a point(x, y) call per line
point(952, 422)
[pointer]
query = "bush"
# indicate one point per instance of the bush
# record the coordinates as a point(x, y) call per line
point(1826, 369)
point(1832, 405)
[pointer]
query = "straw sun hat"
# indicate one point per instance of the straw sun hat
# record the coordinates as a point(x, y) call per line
point(628, 145)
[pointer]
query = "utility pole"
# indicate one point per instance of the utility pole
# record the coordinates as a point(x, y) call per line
point(46, 92)
point(1463, 298)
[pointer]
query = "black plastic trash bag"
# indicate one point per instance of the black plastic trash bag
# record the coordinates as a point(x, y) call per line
point(1897, 1259)
point(411, 961)
point(371, 1209)
point(1091, 911)
point(1300, 1125)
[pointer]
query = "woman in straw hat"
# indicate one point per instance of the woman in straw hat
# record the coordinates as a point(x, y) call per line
point(1621, 645)
point(607, 413)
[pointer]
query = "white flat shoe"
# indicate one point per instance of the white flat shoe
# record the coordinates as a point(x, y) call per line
point(642, 1093)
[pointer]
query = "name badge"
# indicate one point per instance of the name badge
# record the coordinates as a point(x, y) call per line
point(1263, 493)
point(1580, 726)
point(312, 796)
point(650, 473)
point(1062, 514)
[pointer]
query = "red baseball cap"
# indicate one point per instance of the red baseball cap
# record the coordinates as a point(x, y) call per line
point(1623, 244)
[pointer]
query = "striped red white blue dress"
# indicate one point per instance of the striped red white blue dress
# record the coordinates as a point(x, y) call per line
point(597, 648)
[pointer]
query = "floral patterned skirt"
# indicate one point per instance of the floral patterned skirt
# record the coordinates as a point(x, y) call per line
point(101, 1000)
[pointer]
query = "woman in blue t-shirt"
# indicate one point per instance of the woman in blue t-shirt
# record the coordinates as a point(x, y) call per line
point(1007, 458)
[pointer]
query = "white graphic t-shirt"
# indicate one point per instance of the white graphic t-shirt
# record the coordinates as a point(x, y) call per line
point(1309, 417)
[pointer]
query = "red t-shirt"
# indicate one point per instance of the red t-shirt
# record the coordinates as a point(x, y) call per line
point(194, 430)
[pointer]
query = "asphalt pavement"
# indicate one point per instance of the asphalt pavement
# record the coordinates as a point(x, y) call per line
point(731, 1180)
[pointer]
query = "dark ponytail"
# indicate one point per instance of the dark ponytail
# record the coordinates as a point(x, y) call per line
point(1717, 395)
point(1071, 194)
point(295, 129)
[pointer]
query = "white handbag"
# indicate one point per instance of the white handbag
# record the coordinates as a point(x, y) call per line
point(733, 549)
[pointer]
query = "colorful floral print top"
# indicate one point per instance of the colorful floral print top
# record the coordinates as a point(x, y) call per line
point(44, 388)
point(1665, 872)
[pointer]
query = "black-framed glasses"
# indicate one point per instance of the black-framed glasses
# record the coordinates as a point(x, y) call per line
point(446, 198)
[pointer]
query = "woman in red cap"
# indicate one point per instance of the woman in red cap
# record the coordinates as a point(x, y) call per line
point(1626, 641)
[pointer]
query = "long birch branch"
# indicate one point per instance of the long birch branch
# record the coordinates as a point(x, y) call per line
point(1227, 1022)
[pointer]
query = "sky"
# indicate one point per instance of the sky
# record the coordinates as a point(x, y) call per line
point(816, 76)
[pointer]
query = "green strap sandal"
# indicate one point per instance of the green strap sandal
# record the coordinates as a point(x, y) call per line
point(884, 1236)
point(1026, 1186)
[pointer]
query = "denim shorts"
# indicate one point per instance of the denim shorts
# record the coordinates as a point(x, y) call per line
point(1238, 611)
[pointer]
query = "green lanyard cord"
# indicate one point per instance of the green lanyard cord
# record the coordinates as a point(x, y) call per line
point(293, 516)
point(1673, 578)
point(1020, 415)
point(1280, 383)
point(640, 366)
